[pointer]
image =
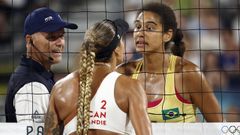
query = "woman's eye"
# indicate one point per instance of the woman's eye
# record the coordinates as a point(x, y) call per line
point(149, 28)
point(137, 26)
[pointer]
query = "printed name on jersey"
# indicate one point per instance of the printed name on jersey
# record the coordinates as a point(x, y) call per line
point(98, 114)
point(99, 117)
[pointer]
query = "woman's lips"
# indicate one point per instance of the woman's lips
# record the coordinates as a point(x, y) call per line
point(140, 43)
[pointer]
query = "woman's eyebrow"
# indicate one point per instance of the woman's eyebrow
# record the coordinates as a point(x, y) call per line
point(137, 21)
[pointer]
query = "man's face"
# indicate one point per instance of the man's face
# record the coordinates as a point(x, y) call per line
point(49, 46)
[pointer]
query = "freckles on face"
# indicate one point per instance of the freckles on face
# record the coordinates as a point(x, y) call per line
point(148, 32)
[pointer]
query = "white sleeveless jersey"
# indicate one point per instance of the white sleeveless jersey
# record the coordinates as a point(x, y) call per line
point(104, 111)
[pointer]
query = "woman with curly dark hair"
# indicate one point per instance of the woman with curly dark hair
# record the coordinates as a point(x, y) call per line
point(175, 87)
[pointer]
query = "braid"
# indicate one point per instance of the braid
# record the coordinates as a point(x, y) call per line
point(88, 91)
point(82, 84)
point(85, 73)
point(95, 39)
point(179, 48)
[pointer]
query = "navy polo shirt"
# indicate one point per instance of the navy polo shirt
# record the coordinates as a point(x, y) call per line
point(27, 71)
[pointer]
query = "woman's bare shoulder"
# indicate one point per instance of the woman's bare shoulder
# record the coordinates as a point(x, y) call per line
point(65, 95)
point(189, 70)
point(129, 84)
point(67, 84)
point(186, 66)
point(190, 74)
point(128, 67)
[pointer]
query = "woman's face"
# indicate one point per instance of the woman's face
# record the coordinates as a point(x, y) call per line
point(148, 33)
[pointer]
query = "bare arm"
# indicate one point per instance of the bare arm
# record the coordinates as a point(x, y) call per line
point(138, 110)
point(51, 125)
point(203, 97)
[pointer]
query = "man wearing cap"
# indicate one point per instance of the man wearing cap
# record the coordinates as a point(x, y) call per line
point(30, 84)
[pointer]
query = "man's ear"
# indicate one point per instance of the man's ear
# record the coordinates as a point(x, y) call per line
point(167, 36)
point(28, 39)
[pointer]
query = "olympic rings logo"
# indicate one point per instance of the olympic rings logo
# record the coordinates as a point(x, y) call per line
point(232, 129)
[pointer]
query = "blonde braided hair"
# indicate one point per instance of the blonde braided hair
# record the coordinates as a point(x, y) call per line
point(100, 34)
point(86, 72)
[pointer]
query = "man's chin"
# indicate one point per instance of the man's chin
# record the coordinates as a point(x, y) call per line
point(55, 60)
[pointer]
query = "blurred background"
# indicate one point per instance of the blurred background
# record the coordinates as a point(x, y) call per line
point(211, 35)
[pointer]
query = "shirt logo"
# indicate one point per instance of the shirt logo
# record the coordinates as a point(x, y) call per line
point(170, 113)
point(118, 36)
point(59, 17)
point(49, 18)
point(36, 115)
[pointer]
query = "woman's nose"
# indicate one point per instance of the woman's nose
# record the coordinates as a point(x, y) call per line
point(139, 32)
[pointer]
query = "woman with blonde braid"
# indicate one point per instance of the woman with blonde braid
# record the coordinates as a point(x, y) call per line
point(95, 100)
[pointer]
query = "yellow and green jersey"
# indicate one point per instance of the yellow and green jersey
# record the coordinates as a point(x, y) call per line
point(172, 107)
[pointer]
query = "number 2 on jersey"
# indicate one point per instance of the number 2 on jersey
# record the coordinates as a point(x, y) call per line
point(104, 102)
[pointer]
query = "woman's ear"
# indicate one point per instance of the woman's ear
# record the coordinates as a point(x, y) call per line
point(120, 48)
point(167, 36)
point(117, 50)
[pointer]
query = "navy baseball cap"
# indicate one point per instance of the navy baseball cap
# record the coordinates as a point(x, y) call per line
point(45, 20)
